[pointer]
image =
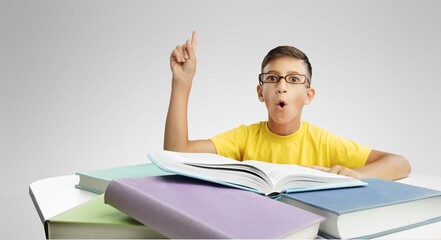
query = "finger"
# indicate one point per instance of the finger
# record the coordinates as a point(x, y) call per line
point(191, 46)
point(175, 55)
point(340, 170)
point(194, 40)
point(180, 54)
point(350, 173)
point(346, 172)
point(185, 49)
point(335, 169)
point(320, 168)
point(184, 54)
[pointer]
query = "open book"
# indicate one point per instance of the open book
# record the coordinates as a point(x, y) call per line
point(257, 176)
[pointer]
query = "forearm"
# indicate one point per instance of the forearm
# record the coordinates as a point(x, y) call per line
point(388, 166)
point(176, 125)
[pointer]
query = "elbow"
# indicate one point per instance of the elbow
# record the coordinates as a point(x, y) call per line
point(167, 146)
point(173, 148)
point(176, 147)
point(408, 167)
point(403, 167)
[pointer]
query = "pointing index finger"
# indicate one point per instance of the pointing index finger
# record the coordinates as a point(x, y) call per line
point(194, 39)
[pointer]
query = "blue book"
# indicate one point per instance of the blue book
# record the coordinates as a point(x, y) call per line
point(380, 208)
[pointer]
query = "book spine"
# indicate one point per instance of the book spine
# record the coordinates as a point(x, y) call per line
point(167, 220)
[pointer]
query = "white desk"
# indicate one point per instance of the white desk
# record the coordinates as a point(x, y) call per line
point(55, 195)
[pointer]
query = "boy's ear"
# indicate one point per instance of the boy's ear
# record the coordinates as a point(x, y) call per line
point(259, 93)
point(310, 93)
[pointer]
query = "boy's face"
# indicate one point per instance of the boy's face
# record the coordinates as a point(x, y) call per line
point(284, 101)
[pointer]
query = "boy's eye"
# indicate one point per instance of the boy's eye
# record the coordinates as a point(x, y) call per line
point(272, 78)
point(292, 79)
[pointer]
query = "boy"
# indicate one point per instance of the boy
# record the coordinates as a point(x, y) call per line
point(284, 87)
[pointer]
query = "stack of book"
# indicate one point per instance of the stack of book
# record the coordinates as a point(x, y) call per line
point(183, 195)
point(96, 220)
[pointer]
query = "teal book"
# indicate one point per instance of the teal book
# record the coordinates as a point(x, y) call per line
point(96, 181)
point(96, 220)
point(261, 177)
point(380, 208)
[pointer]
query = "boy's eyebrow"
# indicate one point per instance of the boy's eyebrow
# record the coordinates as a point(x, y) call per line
point(289, 72)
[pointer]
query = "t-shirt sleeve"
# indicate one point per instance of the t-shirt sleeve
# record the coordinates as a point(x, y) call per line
point(231, 143)
point(347, 153)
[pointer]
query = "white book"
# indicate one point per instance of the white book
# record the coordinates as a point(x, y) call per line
point(257, 176)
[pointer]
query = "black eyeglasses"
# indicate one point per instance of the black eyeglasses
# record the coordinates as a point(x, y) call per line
point(294, 78)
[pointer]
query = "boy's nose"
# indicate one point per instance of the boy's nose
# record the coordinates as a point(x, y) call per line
point(281, 87)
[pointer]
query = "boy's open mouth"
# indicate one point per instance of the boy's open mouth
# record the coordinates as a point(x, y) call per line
point(281, 103)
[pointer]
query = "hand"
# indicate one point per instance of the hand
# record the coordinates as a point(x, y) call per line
point(183, 61)
point(340, 170)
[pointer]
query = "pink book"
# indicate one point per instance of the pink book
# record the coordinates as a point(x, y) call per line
point(181, 207)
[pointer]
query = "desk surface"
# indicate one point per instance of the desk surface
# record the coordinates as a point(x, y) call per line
point(55, 195)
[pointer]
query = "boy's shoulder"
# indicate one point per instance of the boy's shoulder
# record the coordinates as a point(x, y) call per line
point(317, 133)
point(250, 129)
point(253, 126)
point(313, 129)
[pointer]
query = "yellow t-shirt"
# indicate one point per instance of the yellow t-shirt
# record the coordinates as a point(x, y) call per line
point(308, 146)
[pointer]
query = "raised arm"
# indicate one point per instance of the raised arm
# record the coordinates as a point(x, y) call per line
point(183, 67)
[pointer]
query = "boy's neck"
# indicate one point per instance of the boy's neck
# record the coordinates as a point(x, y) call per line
point(283, 129)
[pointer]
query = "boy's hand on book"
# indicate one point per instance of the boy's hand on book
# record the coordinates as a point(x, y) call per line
point(340, 170)
point(183, 61)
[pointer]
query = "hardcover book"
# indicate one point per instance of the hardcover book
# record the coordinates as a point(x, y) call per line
point(96, 181)
point(96, 220)
point(257, 176)
point(181, 207)
point(380, 208)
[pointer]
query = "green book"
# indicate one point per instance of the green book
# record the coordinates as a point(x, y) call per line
point(97, 181)
point(96, 220)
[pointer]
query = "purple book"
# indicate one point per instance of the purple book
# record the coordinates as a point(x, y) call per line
point(181, 207)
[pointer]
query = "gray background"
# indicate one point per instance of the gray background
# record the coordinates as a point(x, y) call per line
point(85, 85)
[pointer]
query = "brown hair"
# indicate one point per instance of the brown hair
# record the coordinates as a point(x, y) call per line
point(288, 51)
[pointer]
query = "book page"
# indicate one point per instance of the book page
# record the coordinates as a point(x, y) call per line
point(264, 177)
point(274, 171)
point(280, 172)
point(214, 161)
point(211, 167)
